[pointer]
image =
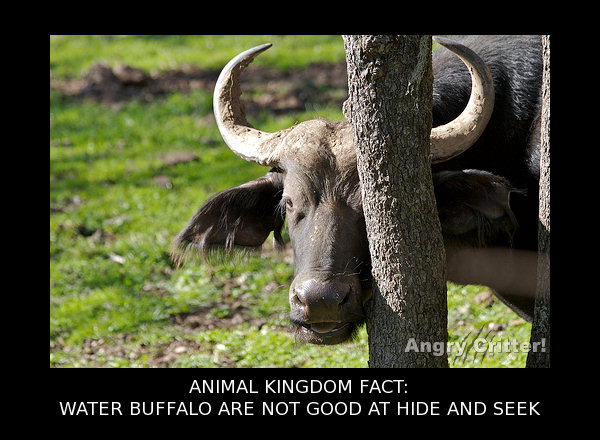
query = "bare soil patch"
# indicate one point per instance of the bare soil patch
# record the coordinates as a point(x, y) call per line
point(280, 91)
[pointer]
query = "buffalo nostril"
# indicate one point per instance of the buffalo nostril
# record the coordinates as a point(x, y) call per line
point(344, 297)
point(320, 296)
point(297, 301)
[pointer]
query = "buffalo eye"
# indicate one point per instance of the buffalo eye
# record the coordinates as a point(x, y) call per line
point(294, 214)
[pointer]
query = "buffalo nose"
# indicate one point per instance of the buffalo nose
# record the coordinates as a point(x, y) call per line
point(320, 299)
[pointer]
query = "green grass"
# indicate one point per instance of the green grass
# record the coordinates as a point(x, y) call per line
point(116, 300)
point(73, 55)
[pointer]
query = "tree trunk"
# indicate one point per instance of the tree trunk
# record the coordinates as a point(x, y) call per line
point(540, 331)
point(390, 102)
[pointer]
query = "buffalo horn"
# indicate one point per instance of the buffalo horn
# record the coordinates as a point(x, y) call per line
point(455, 137)
point(263, 148)
point(244, 140)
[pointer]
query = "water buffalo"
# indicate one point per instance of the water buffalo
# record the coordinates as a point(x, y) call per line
point(484, 153)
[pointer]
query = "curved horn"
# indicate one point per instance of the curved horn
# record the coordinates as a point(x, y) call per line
point(247, 142)
point(455, 137)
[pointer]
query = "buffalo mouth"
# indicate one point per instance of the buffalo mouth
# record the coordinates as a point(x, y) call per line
point(323, 333)
point(328, 323)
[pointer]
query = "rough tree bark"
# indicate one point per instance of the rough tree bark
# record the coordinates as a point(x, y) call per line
point(389, 106)
point(540, 331)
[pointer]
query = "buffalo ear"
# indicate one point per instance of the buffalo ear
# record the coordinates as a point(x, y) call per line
point(242, 216)
point(474, 209)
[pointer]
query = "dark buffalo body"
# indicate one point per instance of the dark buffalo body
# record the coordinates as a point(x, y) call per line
point(486, 196)
point(510, 145)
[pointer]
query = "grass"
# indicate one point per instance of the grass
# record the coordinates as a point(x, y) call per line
point(70, 56)
point(116, 300)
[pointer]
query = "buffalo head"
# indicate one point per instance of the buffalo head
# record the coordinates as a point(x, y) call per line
point(314, 182)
